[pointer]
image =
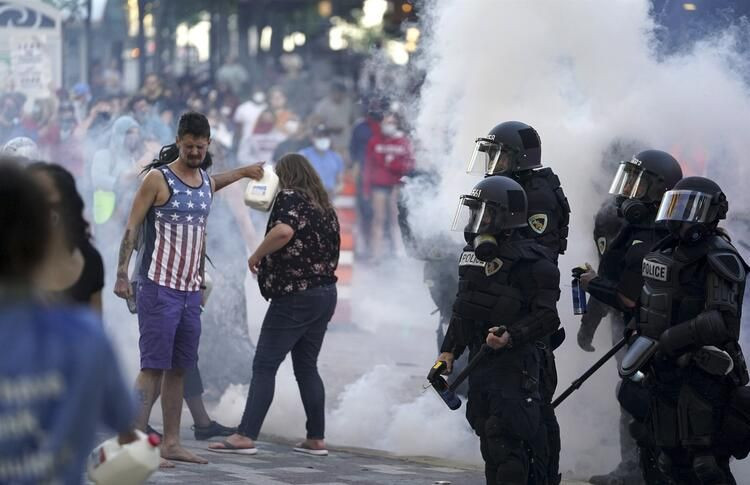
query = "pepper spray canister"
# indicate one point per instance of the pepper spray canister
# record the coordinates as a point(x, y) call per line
point(579, 294)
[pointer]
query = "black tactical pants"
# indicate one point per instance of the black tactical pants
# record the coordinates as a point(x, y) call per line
point(685, 421)
point(512, 438)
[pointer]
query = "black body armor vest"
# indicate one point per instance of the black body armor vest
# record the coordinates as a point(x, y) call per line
point(674, 288)
point(548, 209)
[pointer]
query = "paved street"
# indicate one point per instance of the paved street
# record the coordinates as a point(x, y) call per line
point(277, 464)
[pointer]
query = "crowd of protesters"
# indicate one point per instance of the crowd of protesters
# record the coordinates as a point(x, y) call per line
point(105, 137)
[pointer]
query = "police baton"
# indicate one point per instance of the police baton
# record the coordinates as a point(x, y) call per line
point(579, 382)
point(447, 392)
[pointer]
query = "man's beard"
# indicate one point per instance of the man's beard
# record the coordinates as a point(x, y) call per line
point(193, 162)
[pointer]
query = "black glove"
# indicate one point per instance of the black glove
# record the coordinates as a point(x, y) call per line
point(585, 337)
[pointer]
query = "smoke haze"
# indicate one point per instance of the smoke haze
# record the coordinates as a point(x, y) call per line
point(585, 74)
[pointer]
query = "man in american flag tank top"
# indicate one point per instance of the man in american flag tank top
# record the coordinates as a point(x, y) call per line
point(171, 209)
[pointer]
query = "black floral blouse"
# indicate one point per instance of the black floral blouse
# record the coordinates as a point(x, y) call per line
point(310, 259)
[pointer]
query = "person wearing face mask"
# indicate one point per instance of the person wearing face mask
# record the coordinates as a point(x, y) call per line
point(638, 187)
point(507, 297)
point(277, 102)
point(264, 139)
point(245, 116)
point(325, 161)
point(362, 133)
point(687, 351)
point(388, 159)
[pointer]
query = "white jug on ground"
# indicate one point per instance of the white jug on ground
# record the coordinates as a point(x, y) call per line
point(111, 463)
point(259, 194)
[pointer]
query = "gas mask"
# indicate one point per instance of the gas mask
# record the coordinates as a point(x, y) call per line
point(688, 232)
point(633, 210)
point(485, 247)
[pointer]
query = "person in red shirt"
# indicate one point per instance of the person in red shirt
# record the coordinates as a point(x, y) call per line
point(387, 159)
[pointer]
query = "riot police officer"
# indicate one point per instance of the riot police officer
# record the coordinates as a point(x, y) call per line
point(514, 149)
point(508, 286)
point(638, 186)
point(689, 326)
point(607, 227)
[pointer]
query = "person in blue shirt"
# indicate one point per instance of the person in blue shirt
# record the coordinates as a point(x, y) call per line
point(59, 379)
point(328, 163)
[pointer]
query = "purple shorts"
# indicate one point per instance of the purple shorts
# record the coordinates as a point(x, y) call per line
point(170, 324)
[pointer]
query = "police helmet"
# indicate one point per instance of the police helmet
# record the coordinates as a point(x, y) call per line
point(495, 205)
point(640, 182)
point(693, 208)
point(509, 147)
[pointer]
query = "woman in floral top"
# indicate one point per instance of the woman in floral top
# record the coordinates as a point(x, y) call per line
point(295, 265)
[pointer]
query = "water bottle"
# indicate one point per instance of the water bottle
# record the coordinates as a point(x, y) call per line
point(113, 464)
point(579, 294)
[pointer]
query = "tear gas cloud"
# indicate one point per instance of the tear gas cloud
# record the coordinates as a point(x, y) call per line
point(586, 75)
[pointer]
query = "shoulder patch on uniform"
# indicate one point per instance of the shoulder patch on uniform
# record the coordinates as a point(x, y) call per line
point(468, 258)
point(728, 265)
point(601, 244)
point(493, 266)
point(538, 223)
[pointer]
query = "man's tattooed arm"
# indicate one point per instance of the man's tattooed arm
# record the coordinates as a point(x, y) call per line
point(126, 250)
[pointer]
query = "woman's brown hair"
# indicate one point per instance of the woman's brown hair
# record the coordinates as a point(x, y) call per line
point(297, 173)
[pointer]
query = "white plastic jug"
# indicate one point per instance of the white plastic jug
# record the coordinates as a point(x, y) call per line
point(259, 194)
point(113, 464)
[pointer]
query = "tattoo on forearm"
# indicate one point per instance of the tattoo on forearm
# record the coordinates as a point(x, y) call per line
point(126, 249)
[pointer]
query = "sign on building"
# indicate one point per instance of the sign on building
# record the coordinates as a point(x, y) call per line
point(30, 47)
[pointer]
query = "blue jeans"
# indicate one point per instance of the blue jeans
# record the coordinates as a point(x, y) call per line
point(295, 323)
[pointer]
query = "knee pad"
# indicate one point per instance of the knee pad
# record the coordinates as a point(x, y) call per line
point(707, 470)
point(507, 454)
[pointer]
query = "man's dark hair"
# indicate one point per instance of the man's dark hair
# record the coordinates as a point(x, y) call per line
point(193, 123)
point(169, 154)
point(25, 219)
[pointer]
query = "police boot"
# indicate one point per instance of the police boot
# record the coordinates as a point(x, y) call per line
point(707, 470)
point(626, 473)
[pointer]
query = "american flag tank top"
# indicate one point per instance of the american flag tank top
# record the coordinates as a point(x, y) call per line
point(173, 234)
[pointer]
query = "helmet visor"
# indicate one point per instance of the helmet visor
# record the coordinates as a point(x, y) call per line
point(490, 158)
point(631, 181)
point(684, 206)
point(485, 155)
point(480, 217)
point(473, 215)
